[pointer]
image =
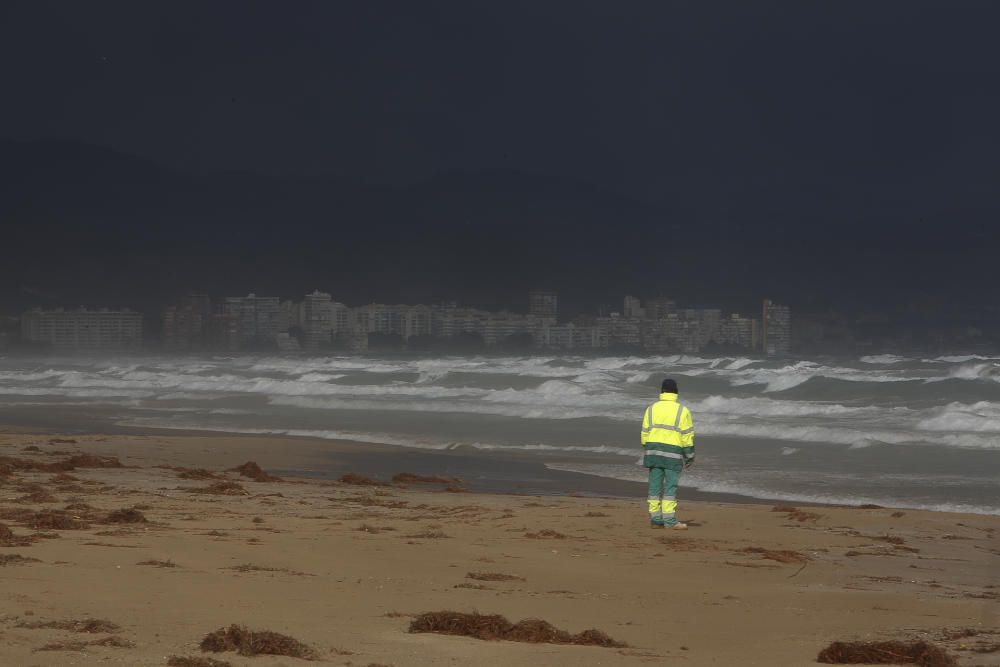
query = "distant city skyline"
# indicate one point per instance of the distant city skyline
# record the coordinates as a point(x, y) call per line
point(213, 321)
point(318, 324)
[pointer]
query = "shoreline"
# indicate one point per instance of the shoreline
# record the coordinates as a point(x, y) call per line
point(480, 467)
point(524, 474)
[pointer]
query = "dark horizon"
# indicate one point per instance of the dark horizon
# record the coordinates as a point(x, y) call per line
point(833, 157)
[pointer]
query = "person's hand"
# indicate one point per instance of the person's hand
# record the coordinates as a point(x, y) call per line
point(688, 464)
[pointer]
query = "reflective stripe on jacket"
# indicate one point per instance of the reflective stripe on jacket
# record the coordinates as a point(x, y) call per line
point(667, 433)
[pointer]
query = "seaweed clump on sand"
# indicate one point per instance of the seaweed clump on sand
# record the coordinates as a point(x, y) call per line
point(255, 642)
point(545, 533)
point(88, 625)
point(128, 515)
point(779, 555)
point(35, 494)
point(493, 627)
point(253, 471)
point(9, 539)
point(796, 514)
point(919, 653)
point(16, 559)
point(493, 576)
point(194, 473)
point(11, 464)
point(220, 489)
point(360, 480)
point(113, 642)
point(196, 661)
point(414, 478)
point(53, 520)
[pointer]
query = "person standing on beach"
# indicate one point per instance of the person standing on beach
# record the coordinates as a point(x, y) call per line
point(668, 449)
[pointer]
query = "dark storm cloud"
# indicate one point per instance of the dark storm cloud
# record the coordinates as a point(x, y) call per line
point(785, 131)
point(641, 96)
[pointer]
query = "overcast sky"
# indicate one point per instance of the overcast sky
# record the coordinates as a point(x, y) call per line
point(629, 95)
point(834, 150)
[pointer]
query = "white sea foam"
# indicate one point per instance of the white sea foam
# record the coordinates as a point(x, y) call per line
point(857, 438)
point(980, 417)
point(77, 393)
point(960, 358)
point(526, 410)
point(766, 407)
point(320, 377)
point(793, 375)
point(29, 376)
point(590, 449)
point(711, 483)
point(639, 378)
point(886, 359)
point(325, 434)
point(979, 371)
point(864, 444)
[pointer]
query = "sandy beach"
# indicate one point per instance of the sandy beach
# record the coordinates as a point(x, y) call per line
point(170, 548)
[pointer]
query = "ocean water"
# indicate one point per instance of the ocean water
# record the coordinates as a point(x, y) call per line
point(905, 432)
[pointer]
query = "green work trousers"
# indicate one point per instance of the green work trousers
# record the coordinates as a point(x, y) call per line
point(663, 495)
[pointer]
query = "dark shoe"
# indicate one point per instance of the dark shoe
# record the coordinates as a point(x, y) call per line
point(655, 524)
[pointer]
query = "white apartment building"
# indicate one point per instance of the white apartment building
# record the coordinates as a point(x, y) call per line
point(543, 304)
point(633, 308)
point(741, 331)
point(401, 320)
point(259, 317)
point(776, 327)
point(317, 320)
point(83, 329)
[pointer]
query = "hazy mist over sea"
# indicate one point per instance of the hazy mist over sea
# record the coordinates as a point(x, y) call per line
point(908, 432)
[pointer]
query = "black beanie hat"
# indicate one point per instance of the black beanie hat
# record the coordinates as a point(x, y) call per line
point(669, 386)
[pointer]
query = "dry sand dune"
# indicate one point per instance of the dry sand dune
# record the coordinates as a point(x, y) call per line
point(141, 564)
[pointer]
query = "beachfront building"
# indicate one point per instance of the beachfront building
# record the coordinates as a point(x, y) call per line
point(259, 318)
point(740, 332)
point(340, 319)
point(659, 307)
point(449, 321)
point(317, 321)
point(290, 314)
point(672, 334)
point(571, 336)
point(495, 328)
point(590, 337)
point(633, 308)
point(704, 325)
point(400, 320)
point(222, 332)
point(83, 329)
point(622, 331)
point(543, 304)
point(185, 325)
point(501, 327)
point(776, 326)
point(554, 336)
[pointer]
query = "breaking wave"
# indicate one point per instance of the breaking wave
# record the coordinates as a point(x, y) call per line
point(886, 359)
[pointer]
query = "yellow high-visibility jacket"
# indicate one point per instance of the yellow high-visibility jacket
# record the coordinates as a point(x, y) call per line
point(667, 434)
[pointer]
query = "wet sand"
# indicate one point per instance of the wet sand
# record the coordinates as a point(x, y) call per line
point(345, 568)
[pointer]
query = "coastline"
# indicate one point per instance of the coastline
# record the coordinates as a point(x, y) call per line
point(310, 457)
